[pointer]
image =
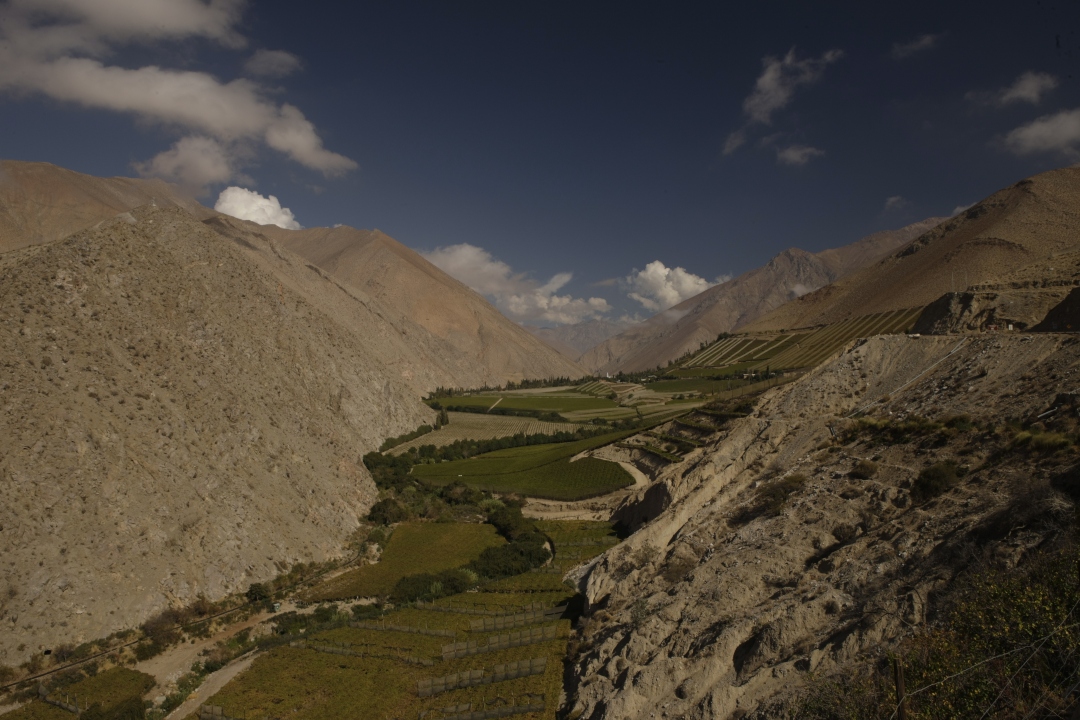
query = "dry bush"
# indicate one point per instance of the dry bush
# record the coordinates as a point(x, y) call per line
point(864, 469)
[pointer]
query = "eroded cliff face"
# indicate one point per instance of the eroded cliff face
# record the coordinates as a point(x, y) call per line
point(717, 608)
point(175, 419)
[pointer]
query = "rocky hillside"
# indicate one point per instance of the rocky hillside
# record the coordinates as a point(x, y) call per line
point(174, 420)
point(800, 539)
point(732, 305)
point(1021, 230)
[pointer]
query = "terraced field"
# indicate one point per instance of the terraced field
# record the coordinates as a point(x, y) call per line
point(415, 547)
point(813, 348)
point(369, 676)
point(740, 349)
point(542, 471)
point(475, 426)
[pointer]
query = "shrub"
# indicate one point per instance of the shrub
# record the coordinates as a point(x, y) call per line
point(388, 512)
point(864, 469)
point(257, 592)
point(510, 559)
point(7, 673)
point(131, 708)
point(769, 499)
point(844, 532)
point(935, 480)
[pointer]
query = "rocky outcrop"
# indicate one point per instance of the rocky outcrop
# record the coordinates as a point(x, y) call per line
point(715, 610)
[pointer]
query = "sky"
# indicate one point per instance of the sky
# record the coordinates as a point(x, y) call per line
point(571, 161)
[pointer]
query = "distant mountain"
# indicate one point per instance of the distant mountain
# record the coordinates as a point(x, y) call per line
point(573, 340)
point(732, 305)
point(1010, 241)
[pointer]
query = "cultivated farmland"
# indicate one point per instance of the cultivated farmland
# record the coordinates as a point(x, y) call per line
point(476, 426)
point(542, 471)
point(557, 402)
point(413, 548)
point(372, 672)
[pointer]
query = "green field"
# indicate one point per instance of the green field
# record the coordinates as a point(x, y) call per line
point(414, 547)
point(702, 385)
point(543, 471)
point(562, 402)
point(109, 688)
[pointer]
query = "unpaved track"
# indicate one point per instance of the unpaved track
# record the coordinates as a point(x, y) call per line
point(211, 685)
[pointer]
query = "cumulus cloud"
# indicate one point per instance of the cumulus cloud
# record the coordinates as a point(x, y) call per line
point(659, 287)
point(902, 51)
point(1058, 133)
point(895, 202)
point(57, 48)
point(797, 154)
point(515, 294)
point(249, 205)
point(272, 63)
point(775, 88)
point(193, 162)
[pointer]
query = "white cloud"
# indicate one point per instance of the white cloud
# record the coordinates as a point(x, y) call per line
point(797, 154)
point(776, 85)
point(1029, 87)
point(193, 162)
point(1059, 132)
point(54, 47)
point(272, 63)
point(249, 205)
point(901, 51)
point(895, 202)
point(515, 294)
point(659, 287)
point(734, 141)
point(959, 209)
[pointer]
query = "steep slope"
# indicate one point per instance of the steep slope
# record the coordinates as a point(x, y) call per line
point(573, 340)
point(40, 202)
point(175, 420)
point(1025, 225)
point(734, 596)
point(732, 305)
point(399, 278)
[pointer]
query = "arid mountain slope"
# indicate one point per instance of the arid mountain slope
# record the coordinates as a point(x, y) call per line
point(573, 340)
point(723, 607)
point(732, 305)
point(174, 420)
point(1024, 225)
point(399, 278)
point(40, 202)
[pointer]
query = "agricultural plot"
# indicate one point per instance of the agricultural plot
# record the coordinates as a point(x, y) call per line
point(554, 402)
point(543, 471)
point(373, 679)
point(815, 347)
point(739, 350)
point(474, 426)
point(109, 689)
point(413, 548)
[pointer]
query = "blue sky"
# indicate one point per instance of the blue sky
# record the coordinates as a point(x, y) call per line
point(557, 152)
